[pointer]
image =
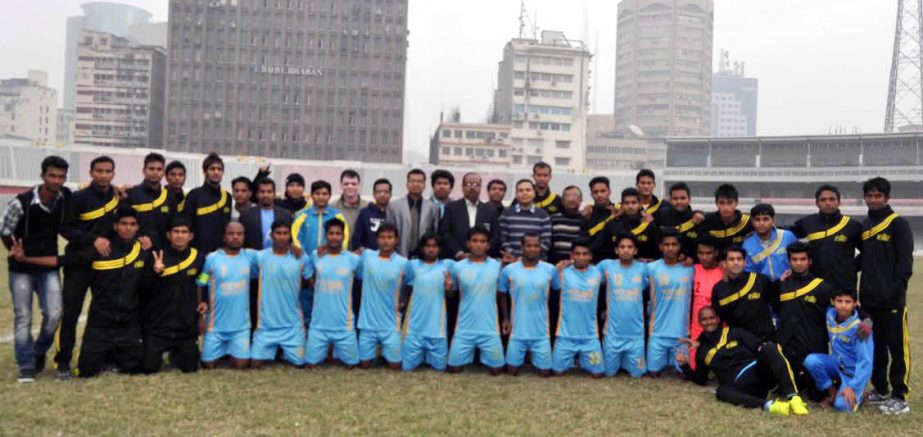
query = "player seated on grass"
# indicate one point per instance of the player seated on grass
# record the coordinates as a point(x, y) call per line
point(528, 282)
point(626, 280)
point(475, 278)
point(747, 369)
point(850, 360)
point(671, 297)
point(333, 269)
point(577, 333)
point(430, 282)
point(383, 276)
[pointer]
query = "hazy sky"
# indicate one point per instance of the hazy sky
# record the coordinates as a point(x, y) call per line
point(820, 63)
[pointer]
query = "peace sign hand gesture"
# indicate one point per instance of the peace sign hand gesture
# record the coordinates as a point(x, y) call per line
point(158, 261)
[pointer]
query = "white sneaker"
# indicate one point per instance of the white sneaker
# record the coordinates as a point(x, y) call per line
point(875, 398)
point(894, 406)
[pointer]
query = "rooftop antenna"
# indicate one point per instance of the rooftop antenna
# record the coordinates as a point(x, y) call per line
point(522, 17)
point(596, 71)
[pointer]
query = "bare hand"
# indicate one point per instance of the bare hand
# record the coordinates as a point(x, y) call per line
point(681, 359)
point(698, 217)
point(102, 246)
point(506, 327)
point(321, 250)
point(461, 256)
point(202, 308)
point(145, 242)
point(265, 169)
point(865, 329)
point(688, 342)
point(849, 395)
point(447, 281)
point(122, 191)
point(647, 217)
point(158, 261)
point(296, 251)
point(687, 261)
point(785, 275)
point(563, 264)
point(16, 250)
point(586, 211)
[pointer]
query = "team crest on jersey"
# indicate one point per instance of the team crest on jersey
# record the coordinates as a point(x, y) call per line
point(840, 238)
point(191, 272)
point(342, 271)
point(139, 264)
point(883, 237)
point(738, 239)
point(642, 237)
point(552, 209)
point(244, 270)
point(731, 344)
point(753, 296)
point(844, 339)
point(811, 299)
point(591, 282)
point(636, 279)
point(692, 234)
point(226, 209)
point(165, 209)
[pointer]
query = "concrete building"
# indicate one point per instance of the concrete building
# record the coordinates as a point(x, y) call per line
point(733, 103)
point(120, 92)
point(663, 67)
point(470, 144)
point(65, 135)
point(542, 91)
point(29, 108)
point(608, 149)
point(296, 79)
point(114, 18)
point(149, 34)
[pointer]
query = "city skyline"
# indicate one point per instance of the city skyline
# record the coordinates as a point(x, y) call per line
point(829, 67)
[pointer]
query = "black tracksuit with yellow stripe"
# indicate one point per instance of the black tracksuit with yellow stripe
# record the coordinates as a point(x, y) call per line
point(155, 209)
point(887, 264)
point(727, 234)
point(647, 233)
point(208, 208)
point(833, 240)
point(744, 302)
point(687, 229)
point(803, 302)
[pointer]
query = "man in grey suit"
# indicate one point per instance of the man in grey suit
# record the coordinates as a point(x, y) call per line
point(411, 214)
point(258, 221)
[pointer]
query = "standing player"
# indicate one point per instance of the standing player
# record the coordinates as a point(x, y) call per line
point(707, 274)
point(681, 217)
point(544, 197)
point(766, 245)
point(383, 277)
point(425, 321)
point(176, 180)
point(671, 295)
point(577, 334)
point(226, 300)
point(208, 207)
point(834, 239)
point(529, 283)
point(650, 204)
point(602, 210)
point(154, 203)
point(333, 269)
point(631, 221)
point(626, 280)
point(742, 299)
point(475, 278)
point(279, 324)
point(727, 225)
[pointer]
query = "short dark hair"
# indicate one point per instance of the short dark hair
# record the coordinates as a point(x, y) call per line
point(726, 191)
point(387, 227)
point(630, 192)
point(762, 209)
point(525, 181)
point(478, 230)
point(626, 235)
point(732, 248)
point(680, 186)
point(843, 291)
point(179, 222)
point(425, 238)
point(154, 157)
point(530, 234)
point(101, 160)
point(645, 172)
point(125, 211)
point(442, 174)
point(416, 171)
point(582, 242)
point(798, 247)
point(211, 160)
point(496, 182)
point(382, 181)
point(175, 164)
point(334, 223)
point(319, 184)
point(572, 187)
point(669, 232)
point(243, 179)
point(350, 173)
point(826, 187)
point(281, 223)
point(266, 180)
point(541, 164)
point(707, 240)
point(879, 184)
point(54, 161)
point(599, 180)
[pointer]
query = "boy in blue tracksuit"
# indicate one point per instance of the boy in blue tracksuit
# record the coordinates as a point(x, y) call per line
point(626, 279)
point(766, 246)
point(308, 234)
point(850, 358)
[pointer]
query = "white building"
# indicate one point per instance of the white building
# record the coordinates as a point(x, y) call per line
point(728, 119)
point(542, 88)
point(29, 108)
point(470, 144)
point(609, 149)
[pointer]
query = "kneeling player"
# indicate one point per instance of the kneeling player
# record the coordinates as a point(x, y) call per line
point(626, 279)
point(475, 278)
point(578, 333)
point(383, 276)
point(331, 314)
point(851, 359)
point(430, 280)
point(747, 370)
point(529, 283)
point(671, 297)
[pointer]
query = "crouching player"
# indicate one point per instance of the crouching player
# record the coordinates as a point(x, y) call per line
point(671, 297)
point(626, 279)
point(747, 370)
point(332, 314)
point(383, 278)
point(577, 333)
point(850, 360)
point(430, 280)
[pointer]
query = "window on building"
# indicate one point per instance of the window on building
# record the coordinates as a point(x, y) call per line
point(562, 161)
point(446, 150)
point(458, 151)
point(562, 144)
point(447, 133)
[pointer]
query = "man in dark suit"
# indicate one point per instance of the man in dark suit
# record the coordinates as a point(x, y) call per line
point(257, 222)
point(463, 214)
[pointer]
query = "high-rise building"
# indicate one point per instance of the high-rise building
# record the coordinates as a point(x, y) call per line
point(114, 18)
point(149, 34)
point(120, 92)
point(29, 108)
point(288, 78)
point(608, 149)
point(470, 144)
point(733, 100)
point(663, 67)
point(65, 135)
point(542, 93)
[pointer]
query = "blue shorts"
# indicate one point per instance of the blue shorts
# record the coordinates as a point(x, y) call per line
point(589, 350)
point(661, 353)
point(624, 353)
point(344, 345)
point(267, 340)
point(539, 350)
point(390, 342)
point(218, 344)
point(418, 350)
point(461, 352)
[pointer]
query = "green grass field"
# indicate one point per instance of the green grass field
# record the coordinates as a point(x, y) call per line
point(282, 400)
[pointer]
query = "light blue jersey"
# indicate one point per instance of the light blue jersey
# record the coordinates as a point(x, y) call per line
point(671, 299)
point(529, 288)
point(228, 280)
point(382, 281)
point(579, 298)
point(624, 298)
point(477, 286)
point(426, 315)
point(279, 284)
point(333, 282)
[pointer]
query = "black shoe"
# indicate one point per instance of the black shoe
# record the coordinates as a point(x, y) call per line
point(26, 376)
point(39, 363)
point(63, 375)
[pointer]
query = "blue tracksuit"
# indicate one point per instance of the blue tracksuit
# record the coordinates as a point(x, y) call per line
point(771, 261)
point(308, 234)
point(850, 359)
